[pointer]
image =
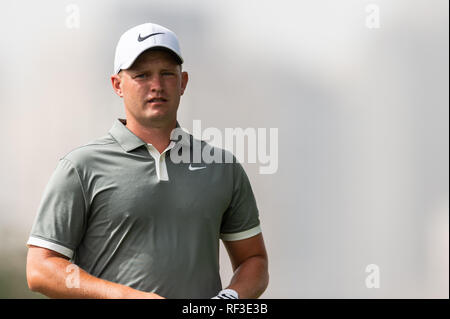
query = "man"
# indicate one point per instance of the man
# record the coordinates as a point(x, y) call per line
point(137, 223)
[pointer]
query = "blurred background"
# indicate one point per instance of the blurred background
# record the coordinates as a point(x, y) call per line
point(357, 89)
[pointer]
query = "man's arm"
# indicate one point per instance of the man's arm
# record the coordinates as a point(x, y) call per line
point(47, 274)
point(250, 265)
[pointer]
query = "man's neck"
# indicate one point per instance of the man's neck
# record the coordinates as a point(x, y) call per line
point(158, 136)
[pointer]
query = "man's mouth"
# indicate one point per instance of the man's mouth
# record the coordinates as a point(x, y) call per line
point(157, 100)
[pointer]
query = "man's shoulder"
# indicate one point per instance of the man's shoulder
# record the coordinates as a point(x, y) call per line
point(81, 155)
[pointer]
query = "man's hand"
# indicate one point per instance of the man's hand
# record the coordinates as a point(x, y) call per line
point(227, 294)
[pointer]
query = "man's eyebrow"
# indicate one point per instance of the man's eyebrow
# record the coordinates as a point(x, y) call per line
point(172, 68)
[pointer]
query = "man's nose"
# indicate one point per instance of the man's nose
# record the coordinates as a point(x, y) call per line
point(156, 83)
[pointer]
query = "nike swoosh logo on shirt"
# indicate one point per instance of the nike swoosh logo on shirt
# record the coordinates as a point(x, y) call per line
point(140, 39)
point(191, 168)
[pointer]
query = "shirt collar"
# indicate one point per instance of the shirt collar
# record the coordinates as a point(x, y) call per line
point(128, 141)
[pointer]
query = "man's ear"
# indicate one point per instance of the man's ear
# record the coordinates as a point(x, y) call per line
point(184, 81)
point(116, 81)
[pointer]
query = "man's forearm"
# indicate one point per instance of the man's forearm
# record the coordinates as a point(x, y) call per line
point(251, 278)
point(51, 278)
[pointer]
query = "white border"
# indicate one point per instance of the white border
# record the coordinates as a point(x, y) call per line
point(52, 246)
point(242, 235)
point(160, 160)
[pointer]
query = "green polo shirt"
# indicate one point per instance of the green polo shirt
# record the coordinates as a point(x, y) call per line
point(126, 213)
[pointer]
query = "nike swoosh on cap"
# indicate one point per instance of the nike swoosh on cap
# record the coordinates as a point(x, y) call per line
point(140, 39)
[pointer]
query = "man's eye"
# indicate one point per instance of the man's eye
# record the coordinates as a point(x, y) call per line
point(141, 76)
point(167, 73)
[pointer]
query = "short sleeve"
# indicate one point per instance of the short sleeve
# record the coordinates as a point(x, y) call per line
point(241, 219)
point(61, 217)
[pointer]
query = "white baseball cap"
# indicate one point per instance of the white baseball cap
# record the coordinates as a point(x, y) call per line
point(143, 37)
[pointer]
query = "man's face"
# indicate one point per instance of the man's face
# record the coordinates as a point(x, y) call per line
point(151, 88)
